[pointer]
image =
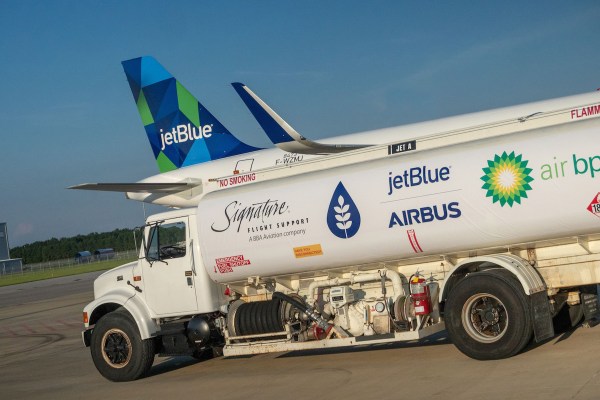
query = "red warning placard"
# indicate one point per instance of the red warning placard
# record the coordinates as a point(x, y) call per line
point(227, 264)
point(594, 206)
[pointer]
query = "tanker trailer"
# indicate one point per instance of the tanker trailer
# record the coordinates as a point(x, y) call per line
point(491, 236)
point(488, 233)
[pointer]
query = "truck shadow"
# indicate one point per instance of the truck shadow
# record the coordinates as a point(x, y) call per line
point(561, 334)
point(170, 364)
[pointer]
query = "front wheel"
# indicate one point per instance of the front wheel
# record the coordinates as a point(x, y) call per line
point(118, 352)
point(488, 316)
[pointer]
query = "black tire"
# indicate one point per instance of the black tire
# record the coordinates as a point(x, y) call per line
point(488, 316)
point(118, 352)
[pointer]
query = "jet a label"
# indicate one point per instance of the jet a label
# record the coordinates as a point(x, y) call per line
point(184, 133)
point(402, 147)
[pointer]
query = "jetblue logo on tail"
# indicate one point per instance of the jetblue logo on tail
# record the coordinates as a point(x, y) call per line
point(343, 218)
point(171, 116)
point(183, 133)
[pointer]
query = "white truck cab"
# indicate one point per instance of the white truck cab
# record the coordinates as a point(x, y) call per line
point(150, 303)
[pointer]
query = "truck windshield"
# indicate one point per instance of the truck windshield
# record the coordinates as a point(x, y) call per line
point(166, 241)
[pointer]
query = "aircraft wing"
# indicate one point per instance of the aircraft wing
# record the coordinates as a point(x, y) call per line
point(136, 187)
point(280, 132)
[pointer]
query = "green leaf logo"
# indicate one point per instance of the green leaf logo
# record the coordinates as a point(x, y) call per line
point(507, 179)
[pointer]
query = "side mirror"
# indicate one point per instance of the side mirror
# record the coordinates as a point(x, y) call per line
point(143, 241)
point(152, 238)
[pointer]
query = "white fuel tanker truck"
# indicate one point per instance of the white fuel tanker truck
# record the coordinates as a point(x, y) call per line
point(491, 232)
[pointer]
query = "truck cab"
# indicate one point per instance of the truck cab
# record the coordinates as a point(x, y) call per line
point(163, 303)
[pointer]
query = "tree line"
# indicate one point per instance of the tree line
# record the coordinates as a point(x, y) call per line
point(59, 249)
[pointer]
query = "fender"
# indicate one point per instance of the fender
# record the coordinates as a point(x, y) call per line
point(528, 276)
point(135, 305)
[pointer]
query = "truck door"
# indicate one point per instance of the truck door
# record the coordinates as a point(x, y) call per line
point(168, 269)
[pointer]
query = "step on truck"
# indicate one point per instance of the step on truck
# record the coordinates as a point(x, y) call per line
point(491, 233)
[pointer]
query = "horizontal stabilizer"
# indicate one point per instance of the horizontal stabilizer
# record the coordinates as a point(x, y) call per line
point(280, 132)
point(136, 187)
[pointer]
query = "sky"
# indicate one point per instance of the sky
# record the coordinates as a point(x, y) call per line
point(328, 68)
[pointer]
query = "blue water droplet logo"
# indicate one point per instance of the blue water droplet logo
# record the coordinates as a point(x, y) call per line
point(343, 217)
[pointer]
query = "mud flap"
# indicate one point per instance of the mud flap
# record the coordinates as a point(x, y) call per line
point(590, 306)
point(540, 315)
point(86, 336)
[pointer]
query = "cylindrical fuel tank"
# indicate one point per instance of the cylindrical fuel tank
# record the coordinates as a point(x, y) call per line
point(517, 188)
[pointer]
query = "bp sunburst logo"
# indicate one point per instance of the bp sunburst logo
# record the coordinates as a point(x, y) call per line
point(507, 179)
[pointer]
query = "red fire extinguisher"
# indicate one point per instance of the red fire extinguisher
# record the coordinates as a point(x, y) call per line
point(419, 292)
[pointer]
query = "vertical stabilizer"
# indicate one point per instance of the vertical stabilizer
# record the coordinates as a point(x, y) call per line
point(180, 129)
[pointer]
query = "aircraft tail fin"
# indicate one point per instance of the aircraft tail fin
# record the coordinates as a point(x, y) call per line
point(180, 129)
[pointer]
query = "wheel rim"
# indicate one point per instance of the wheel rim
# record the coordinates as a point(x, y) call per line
point(485, 318)
point(116, 348)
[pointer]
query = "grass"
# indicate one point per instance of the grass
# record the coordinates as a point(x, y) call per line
point(15, 279)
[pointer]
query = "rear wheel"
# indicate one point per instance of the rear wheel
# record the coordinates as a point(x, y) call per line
point(117, 350)
point(488, 316)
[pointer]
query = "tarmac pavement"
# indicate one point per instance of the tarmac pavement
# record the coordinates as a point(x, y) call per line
point(42, 357)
